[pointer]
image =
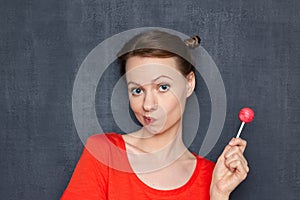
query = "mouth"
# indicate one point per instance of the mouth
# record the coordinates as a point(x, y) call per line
point(148, 120)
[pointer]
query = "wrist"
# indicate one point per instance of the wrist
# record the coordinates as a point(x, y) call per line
point(216, 194)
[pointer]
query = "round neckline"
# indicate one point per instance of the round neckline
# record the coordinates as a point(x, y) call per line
point(179, 189)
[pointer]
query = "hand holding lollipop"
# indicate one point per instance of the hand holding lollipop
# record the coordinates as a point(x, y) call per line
point(246, 115)
point(232, 167)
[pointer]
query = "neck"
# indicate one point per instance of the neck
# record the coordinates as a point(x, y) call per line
point(158, 150)
point(152, 142)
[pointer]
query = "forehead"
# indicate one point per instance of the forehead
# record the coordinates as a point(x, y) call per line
point(148, 68)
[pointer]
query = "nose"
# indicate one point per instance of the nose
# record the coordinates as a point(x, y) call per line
point(150, 101)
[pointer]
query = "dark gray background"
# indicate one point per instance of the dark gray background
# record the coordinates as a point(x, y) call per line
point(255, 44)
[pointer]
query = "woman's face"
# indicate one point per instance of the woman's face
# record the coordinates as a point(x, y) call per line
point(157, 92)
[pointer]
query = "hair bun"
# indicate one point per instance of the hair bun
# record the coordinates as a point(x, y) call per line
point(192, 42)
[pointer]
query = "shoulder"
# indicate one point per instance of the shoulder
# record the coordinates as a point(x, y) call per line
point(205, 163)
point(103, 145)
point(104, 140)
point(203, 172)
point(101, 136)
point(109, 149)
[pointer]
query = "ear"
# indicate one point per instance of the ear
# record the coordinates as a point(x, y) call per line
point(190, 83)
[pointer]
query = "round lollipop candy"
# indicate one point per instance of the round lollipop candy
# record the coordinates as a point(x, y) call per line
point(246, 115)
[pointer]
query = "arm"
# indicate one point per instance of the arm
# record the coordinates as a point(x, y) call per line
point(230, 170)
point(89, 180)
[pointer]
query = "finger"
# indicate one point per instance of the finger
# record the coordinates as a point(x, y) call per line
point(239, 169)
point(235, 157)
point(233, 150)
point(238, 142)
point(225, 151)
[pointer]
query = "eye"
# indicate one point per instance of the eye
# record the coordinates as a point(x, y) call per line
point(164, 87)
point(136, 91)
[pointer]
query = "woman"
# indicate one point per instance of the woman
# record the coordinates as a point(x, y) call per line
point(153, 162)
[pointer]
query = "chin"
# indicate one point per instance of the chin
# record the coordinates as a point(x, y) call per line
point(154, 130)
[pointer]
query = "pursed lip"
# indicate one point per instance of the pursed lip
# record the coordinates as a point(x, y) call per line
point(148, 120)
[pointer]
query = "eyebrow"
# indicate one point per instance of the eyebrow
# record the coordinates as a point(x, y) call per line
point(162, 76)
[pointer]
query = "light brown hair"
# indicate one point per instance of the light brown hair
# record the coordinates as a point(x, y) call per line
point(159, 44)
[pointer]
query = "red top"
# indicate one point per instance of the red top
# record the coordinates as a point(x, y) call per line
point(93, 180)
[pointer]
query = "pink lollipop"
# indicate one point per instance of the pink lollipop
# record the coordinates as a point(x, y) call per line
point(246, 115)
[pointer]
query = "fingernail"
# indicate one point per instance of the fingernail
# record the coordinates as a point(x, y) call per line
point(232, 141)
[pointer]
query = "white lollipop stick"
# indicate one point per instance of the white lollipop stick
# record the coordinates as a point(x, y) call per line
point(240, 130)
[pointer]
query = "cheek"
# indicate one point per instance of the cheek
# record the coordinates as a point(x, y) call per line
point(172, 106)
point(135, 104)
point(178, 99)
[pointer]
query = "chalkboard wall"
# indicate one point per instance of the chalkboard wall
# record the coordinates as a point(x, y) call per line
point(255, 44)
